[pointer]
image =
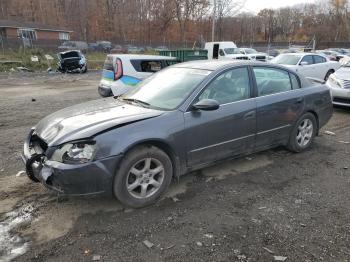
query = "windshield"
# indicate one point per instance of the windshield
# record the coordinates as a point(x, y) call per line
point(168, 88)
point(286, 59)
point(232, 51)
point(250, 51)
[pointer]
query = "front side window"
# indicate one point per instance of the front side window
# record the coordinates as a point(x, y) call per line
point(271, 80)
point(308, 59)
point(231, 86)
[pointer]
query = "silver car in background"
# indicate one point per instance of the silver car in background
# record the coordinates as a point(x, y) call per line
point(339, 84)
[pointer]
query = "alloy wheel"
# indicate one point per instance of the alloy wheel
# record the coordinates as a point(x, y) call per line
point(305, 132)
point(145, 178)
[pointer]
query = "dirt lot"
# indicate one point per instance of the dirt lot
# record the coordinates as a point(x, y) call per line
point(270, 204)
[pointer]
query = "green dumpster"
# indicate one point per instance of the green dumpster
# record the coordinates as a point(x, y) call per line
point(184, 55)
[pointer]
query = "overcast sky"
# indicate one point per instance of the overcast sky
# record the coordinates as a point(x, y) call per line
point(256, 5)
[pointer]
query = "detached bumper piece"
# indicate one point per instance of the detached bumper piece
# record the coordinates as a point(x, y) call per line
point(33, 155)
point(104, 91)
point(69, 179)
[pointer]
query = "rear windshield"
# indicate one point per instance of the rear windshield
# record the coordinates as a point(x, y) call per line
point(286, 59)
point(108, 65)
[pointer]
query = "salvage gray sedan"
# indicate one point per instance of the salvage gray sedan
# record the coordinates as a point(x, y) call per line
point(180, 119)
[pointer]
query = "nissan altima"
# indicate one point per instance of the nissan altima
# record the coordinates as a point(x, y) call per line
point(180, 119)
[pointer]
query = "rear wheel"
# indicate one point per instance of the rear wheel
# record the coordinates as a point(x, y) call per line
point(303, 133)
point(143, 176)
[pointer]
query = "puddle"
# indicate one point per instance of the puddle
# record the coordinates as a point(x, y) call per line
point(12, 244)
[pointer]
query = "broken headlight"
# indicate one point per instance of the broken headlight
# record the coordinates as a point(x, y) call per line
point(75, 153)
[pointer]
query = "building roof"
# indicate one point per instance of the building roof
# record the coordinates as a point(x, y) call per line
point(30, 25)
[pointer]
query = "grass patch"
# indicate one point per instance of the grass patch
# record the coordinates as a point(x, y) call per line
point(11, 59)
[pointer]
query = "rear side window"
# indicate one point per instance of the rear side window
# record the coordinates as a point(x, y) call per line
point(148, 66)
point(271, 80)
point(308, 59)
point(319, 59)
point(295, 81)
point(108, 65)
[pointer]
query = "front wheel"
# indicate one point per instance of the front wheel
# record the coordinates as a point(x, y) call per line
point(143, 176)
point(303, 133)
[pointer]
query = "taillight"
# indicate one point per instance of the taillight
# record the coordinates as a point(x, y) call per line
point(118, 70)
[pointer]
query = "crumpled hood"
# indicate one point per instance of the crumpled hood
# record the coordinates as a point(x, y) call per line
point(343, 73)
point(87, 119)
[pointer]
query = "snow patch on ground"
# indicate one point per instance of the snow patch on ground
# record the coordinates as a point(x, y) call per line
point(12, 244)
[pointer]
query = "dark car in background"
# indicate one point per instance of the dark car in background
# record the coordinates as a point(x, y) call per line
point(104, 46)
point(74, 45)
point(118, 49)
point(72, 61)
point(183, 118)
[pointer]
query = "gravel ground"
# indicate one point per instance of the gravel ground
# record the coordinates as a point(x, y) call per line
point(274, 203)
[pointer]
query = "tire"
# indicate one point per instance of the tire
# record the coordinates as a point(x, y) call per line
point(147, 171)
point(85, 70)
point(328, 74)
point(303, 133)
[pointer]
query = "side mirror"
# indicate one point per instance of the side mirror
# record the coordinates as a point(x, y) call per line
point(206, 105)
point(304, 63)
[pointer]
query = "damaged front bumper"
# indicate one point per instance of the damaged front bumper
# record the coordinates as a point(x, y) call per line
point(70, 179)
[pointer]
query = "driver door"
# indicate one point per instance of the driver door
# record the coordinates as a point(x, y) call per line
point(308, 70)
point(227, 131)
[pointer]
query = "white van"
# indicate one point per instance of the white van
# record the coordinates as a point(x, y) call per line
point(224, 50)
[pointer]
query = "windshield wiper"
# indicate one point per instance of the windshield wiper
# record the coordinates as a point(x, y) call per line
point(133, 100)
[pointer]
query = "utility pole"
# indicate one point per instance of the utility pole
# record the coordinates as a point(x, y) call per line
point(213, 22)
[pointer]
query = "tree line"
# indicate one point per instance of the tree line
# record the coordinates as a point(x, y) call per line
point(184, 22)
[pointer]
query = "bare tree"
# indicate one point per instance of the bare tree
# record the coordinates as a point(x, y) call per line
point(186, 10)
point(227, 8)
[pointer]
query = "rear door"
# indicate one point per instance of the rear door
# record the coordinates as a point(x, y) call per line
point(227, 131)
point(279, 104)
point(321, 66)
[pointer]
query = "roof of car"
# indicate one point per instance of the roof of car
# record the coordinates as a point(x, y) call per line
point(137, 56)
point(302, 53)
point(215, 64)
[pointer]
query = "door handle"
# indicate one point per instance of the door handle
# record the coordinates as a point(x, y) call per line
point(249, 115)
